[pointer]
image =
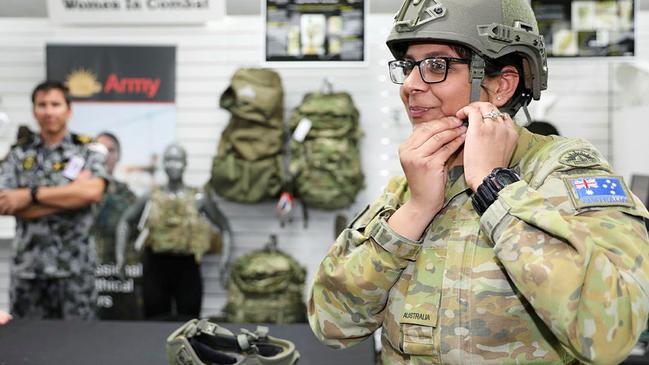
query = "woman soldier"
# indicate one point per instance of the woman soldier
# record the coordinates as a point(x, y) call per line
point(498, 246)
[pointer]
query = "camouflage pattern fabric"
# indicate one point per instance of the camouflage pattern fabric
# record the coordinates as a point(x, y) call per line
point(119, 293)
point(266, 286)
point(176, 226)
point(534, 280)
point(326, 165)
point(70, 298)
point(248, 166)
point(117, 198)
point(58, 245)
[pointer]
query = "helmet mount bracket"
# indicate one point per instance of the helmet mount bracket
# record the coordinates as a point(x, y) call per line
point(476, 74)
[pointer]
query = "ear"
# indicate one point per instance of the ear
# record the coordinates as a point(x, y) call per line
point(504, 86)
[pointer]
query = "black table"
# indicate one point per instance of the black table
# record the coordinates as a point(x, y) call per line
point(50, 342)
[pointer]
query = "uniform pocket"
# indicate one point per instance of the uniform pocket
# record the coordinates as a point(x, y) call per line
point(417, 339)
point(421, 305)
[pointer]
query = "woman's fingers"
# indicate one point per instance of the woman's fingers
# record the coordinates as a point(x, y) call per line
point(446, 151)
point(436, 141)
point(422, 132)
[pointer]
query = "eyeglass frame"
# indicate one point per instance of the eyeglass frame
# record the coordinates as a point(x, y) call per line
point(447, 60)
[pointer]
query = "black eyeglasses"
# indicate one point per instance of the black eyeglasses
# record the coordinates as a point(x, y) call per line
point(432, 70)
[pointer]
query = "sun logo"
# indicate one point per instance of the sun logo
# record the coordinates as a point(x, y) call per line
point(82, 83)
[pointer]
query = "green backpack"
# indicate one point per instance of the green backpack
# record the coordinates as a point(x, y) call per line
point(325, 163)
point(248, 166)
point(266, 286)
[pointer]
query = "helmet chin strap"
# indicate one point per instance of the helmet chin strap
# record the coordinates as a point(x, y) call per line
point(477, 75)
point(527, 114)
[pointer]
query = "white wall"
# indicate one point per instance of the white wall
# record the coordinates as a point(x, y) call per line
point(206, 59)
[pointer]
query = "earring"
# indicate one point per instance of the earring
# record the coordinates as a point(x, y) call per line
point(498, 98)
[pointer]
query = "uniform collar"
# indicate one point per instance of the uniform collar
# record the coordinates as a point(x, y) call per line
point(67, 139)
point(455, 183)
point(456, 174)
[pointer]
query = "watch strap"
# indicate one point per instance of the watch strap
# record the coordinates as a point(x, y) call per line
point(487, 192)
point(33, 191)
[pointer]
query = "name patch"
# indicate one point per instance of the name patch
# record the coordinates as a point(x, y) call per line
point(418, 316)
point(598, 191)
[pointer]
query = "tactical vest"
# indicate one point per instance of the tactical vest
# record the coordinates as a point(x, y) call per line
point(325, 164)
point(176, 226)
point(266, 286)
point(248, 166)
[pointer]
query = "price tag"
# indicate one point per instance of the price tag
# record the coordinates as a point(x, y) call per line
point(302, 130)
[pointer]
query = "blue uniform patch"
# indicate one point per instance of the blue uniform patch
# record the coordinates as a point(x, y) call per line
point(594, 191)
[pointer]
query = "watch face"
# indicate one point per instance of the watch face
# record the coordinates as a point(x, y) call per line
point(505, 177)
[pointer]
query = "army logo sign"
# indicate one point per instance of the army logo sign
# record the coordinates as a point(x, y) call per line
point(580, 158)
point(82, 83)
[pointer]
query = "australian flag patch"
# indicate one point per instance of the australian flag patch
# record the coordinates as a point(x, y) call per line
point(598, 191)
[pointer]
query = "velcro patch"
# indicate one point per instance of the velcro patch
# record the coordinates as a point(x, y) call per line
point(580, 158)
point(598, 191)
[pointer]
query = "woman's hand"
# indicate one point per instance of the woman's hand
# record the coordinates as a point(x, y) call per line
point(490, 141)
point(424, 157)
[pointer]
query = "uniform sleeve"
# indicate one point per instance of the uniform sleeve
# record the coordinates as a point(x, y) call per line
point(96, 164)
point(350, 290)
point(585, 272)
point(8, 178)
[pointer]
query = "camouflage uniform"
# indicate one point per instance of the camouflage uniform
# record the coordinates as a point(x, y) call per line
point(117, 198)
point(52, 275)
point(538, 279)
point(120, 297)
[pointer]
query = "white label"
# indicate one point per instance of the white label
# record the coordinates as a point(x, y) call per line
point(247, 91)
point(73, 167)
point(302, 130)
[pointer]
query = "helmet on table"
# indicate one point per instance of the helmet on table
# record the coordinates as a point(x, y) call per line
point(201, 342)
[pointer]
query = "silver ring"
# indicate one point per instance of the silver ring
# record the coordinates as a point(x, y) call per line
point(492, 114)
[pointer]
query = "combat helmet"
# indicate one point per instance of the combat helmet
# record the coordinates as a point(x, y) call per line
point(491, 29)
point(201, 342)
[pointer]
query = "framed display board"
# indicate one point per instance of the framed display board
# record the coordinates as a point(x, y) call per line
point(587, 28)
point(315, 31)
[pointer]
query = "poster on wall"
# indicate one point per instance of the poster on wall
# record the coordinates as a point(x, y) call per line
point(128, 91)
point(125, 90)
point(587, 28)
point(93, 12)
point(315, 31)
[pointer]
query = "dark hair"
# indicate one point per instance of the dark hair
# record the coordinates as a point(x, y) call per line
point(543, 128)
point(52, 85)
point(113, 138)
point(494, 67)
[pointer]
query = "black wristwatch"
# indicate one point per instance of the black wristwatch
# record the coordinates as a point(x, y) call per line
point(487, 192)
point(33, 191)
